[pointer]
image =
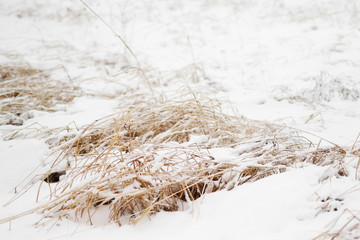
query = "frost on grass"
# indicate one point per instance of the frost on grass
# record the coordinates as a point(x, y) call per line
point(23, 89)
point(323, 89)
point(144, 160)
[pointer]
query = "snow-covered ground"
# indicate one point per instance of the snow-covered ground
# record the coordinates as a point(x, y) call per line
point(295, 63)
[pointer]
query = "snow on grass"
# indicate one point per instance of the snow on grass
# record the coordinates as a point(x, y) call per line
point(292, 63)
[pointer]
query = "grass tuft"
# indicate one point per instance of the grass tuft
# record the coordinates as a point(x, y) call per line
point(142, 161)
point(23, 89)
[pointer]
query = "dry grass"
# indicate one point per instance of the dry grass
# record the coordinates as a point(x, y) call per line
point(161, 122)
point(139, 162)
point(23, 88)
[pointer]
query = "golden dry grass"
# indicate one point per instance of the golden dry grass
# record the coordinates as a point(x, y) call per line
point(23, 88)
point(157, 123)
point(139, 161)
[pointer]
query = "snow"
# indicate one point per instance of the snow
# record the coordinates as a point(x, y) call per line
point(263, 59)
point(81, 111)
point(21, 157)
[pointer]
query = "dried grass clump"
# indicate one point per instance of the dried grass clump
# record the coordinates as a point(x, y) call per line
point(160, 122)
point(176, 121)
point(140, 161)
point(24, 88)
point(137, 184)
point(145, 181)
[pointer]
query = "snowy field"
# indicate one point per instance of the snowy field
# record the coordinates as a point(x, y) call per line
point(265, 91)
